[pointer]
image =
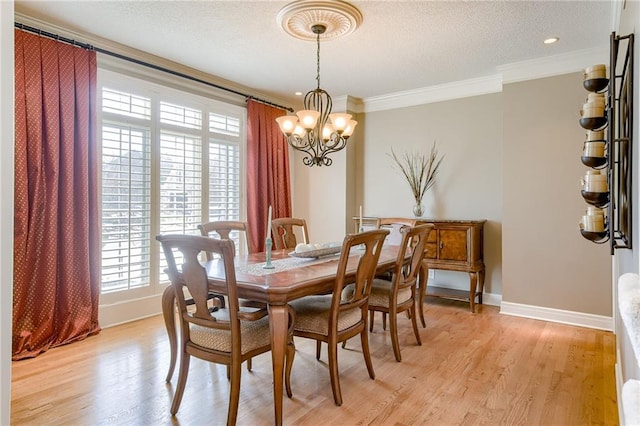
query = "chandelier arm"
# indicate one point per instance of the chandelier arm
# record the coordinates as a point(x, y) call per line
point(298, 143)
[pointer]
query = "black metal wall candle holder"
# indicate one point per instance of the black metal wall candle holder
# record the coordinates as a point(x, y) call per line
point(594, 162)
point(618, 120)
point(596, 85)
point(596, 237)
point(619, 141)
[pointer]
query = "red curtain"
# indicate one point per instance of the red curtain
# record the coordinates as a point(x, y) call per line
point(56, 235)
point(268, 182)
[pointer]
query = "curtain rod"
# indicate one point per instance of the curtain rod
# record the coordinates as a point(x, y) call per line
point(143, 63)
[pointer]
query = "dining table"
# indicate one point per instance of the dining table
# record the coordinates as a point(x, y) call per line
point(289, 278)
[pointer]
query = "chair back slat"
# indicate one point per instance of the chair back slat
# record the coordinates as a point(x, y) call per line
point(414, 238)
point(369, 245)
point(224, 229)
point(284, 236)
point(193, 276)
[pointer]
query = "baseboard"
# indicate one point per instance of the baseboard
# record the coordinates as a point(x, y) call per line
point(492, 299)
point(580, 319)
point(131, 310)
point(619, 383)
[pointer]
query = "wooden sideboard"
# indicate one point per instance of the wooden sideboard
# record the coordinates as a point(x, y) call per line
point(455, 245)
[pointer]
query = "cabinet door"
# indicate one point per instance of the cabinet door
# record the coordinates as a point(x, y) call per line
point(431, 248)
point(453, 245)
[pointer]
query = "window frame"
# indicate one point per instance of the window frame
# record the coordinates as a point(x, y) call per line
point(183, 95)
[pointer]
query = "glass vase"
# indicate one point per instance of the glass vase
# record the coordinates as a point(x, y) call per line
point(418, 209)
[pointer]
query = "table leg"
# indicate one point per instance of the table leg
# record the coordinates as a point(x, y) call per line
point(168, 313)
point(278, 323)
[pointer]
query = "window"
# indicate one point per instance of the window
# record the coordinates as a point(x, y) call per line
point(169, 161)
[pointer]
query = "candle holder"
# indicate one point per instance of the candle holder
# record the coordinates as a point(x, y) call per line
point(268, 245)
point(360, 230)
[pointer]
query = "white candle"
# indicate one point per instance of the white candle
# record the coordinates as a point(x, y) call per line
point(269, 224)
point(361, 228)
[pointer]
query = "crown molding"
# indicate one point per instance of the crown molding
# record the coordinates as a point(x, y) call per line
point(509, 73)
point(550, 66)
point(439, 93)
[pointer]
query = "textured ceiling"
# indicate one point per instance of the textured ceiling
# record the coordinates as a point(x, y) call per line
point(400, 46)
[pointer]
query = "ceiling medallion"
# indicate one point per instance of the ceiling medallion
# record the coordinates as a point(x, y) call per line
point(338, 17)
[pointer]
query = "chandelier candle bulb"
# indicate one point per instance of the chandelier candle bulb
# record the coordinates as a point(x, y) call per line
point(326, 132)
point(349, 130)
point(308, 118)
point(287, 124)
point(340, 121)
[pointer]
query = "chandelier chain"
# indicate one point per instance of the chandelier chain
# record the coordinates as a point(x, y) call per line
point(318, 59)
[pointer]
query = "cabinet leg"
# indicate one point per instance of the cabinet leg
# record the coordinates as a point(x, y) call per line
point(481, 279)
point(473, 284)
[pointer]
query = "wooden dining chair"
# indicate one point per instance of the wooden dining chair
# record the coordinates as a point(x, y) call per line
point(399, 294)
point(393, 224)
point(227, 336)
point(332, 318)
point(221, 230)
point(224, 229)
point(284, 236)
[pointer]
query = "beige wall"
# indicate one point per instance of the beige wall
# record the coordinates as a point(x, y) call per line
point(545, 260)
point(469, 133)
point(326, 196)
point(512, 158)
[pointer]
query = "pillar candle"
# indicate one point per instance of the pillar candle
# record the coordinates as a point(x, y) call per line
point(269, 223)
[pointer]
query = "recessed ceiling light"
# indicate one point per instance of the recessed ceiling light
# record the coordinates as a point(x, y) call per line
point(551, 40)
point(298, 93)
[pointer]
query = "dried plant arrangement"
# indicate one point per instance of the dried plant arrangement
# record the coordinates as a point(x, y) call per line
point(420, 171)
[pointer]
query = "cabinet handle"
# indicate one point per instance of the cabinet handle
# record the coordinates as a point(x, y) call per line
point(441, 244)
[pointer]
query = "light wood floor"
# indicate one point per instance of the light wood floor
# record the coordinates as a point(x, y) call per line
point(485, 368)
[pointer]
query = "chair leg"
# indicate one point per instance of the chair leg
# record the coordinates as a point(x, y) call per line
point(414, 322)
point(384, 320)
point(393, 326)
point(182, 381)
point(364, 339)
point(421, 290)
point(318, 347)
point(371, 315)
point(291, 353)
point(169, 311)
point(249, 364)
point(228, 372)
point(421, 294)
point(333, 372)
point(344, 344)
point(234, 393)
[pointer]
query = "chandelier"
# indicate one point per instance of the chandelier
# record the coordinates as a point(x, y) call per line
point(315, 130)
